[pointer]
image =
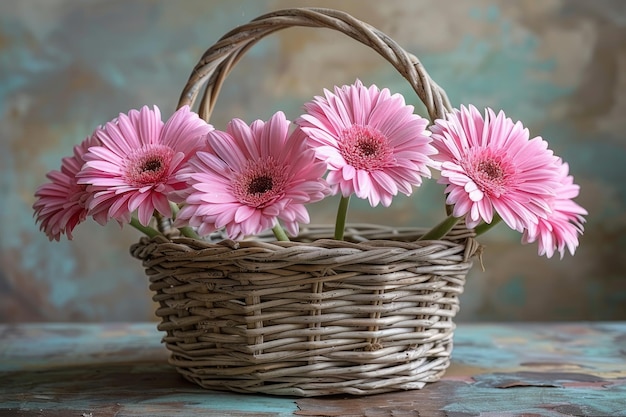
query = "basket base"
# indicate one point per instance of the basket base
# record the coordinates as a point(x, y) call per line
point(312, 388)
point(422, 364)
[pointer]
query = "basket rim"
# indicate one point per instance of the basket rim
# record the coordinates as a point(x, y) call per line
point(388, 239)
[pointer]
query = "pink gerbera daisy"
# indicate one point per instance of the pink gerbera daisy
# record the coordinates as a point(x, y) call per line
point(372, 143)
point(490, 164)
point(249, 177)
point(62, 203)
point(564, 223)
point(136, 164)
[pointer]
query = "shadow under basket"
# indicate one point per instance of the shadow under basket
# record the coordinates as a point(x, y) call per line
point(367, 315)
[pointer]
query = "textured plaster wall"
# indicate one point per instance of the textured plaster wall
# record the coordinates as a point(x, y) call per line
point(68, 66)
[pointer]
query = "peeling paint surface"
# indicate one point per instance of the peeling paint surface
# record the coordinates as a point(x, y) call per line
point(121, 369)
point(68, 66)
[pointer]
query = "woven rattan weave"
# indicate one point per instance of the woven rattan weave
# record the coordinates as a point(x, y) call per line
point(316, 316)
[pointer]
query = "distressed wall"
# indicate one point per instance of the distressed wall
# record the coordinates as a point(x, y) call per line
point(67, 66)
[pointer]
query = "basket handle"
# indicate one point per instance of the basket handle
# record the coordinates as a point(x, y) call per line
point(219, 59)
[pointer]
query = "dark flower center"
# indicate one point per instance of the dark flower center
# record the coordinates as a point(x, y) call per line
point(260, 185)
point(364, 147)
point(368, 148)
point(152, 165)
point(491, 169)
point(148, 165)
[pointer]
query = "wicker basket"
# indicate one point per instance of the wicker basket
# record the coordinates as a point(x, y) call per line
point(317, 316)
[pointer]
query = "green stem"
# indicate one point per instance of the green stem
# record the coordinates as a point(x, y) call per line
point(175, 210)
point(147, 230)
point(441, 229)
point(342, 213)
point(485, 227)
point(280, 233)
point(188, 232)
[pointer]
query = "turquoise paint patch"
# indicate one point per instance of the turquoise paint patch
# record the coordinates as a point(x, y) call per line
point(483, 354)
point(538, 392)
point(20, 63)
point(34, 347)
point(105, 343)
point(482, 345)
point(10, 84)
point(492, 13)
point(592, 155)
point(513, 292)
point(475, 13)
point(226, 401)
point(57, 275)
point(503, 74)
point(544, 401)
point(113, 74)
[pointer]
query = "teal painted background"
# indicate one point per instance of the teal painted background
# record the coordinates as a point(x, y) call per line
point(67, 66)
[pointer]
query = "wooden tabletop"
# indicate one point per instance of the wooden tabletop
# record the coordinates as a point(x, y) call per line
point(120, 369)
